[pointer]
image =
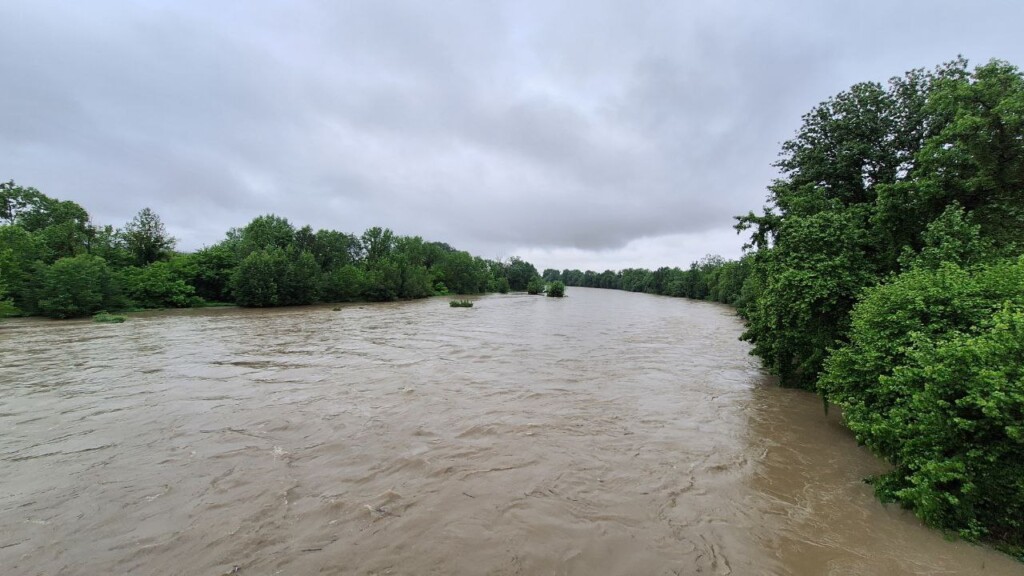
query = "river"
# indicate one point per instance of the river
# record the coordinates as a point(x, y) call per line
point(603, 433)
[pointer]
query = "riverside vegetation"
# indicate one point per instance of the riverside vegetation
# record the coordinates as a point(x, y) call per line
point(55, 262)
point(886, 273)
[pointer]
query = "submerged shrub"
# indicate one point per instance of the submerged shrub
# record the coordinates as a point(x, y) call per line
point(74, 287)
point(461, 303)
point(961, 466)
point(556, 289)
point(157, 286)
point(107, 318)
point(932, 381)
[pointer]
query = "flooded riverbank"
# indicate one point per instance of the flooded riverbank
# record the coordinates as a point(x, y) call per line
point(606, 433)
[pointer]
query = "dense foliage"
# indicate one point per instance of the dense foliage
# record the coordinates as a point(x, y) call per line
point(55, 262)
point(76, 286)
point(867, 173)
point(932, 380)
point(885, 273)
point(535, 286)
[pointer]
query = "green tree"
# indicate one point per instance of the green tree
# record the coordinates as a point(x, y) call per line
point(301, 280)
point(950, 238)
point(108, 243)
point(255, 281)
point(977, 157)
point(211, 269)
point(35, 211)
point(556, 289)
point(866, 173)
point(24, 255)
point(573, 277)
point(499, 285)
point(146, 239)
point(461, 273)
point(16, 200)
point(335, 249)
point(7, 307)
point(519, 274)
point(276, 277)
point(377, 243)
point(158, 285)
point(550, 275)
point(67, 233)
point(343, 284)
point(61, 226)
point(263, 232)
point(810, 281)
point(383, 279)
point(633, 280)
point(76, 286)
point(395, 266)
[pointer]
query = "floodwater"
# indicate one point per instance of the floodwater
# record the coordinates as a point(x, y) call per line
point(603, 433)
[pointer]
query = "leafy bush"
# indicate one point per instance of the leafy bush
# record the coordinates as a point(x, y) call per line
point(107, 318)
point(157, 286)
point(212, 268)
point(276, 277)
point(74, 287)
point(961, 465)
point(6, 305)
point(519, 273)
point(461, 303)
point(556, 289)
point(932, 380)
point(343, 284)
point(499, 285)
point(535, 286)
point(255, 281)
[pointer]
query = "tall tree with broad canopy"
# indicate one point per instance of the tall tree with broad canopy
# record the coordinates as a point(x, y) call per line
point(866, 173)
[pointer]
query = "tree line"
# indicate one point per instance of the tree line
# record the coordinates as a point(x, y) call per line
point(711, 278)
point(54, 262)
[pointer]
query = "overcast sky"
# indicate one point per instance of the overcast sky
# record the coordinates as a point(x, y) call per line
point(574, 134)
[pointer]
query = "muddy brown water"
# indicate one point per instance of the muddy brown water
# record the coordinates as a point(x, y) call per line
point(606, 433)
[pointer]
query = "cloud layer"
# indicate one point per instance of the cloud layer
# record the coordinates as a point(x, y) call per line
point(577, 134)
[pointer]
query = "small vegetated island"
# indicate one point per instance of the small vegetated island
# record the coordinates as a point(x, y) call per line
point(886, 273)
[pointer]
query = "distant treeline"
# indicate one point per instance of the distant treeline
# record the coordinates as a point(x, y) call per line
point(54, 262)
point(712, 278)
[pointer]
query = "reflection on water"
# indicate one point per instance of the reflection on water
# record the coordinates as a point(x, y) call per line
point(607, 433)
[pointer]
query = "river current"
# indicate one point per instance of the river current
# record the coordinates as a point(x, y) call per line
point(604, 433)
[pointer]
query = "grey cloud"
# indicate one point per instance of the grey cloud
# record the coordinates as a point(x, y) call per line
point(492, 126)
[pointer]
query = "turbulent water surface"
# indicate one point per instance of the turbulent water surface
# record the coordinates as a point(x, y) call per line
point(604, 433)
